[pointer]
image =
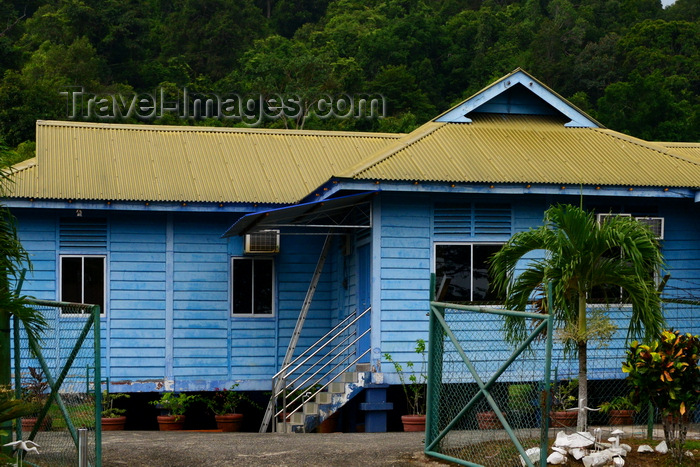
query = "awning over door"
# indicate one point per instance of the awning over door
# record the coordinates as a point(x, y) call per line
point(344, 213)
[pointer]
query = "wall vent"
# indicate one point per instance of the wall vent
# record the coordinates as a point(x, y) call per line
point(452, 219)
point(472, 219)
point(263, 242)
point(78, 232)
point(493, 219)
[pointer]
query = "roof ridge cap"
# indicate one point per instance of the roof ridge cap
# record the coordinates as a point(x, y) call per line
point(654, 146)
point(210, 129)
point(385, 153)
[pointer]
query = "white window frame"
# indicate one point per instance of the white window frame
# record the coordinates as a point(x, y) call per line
point(472, 245)
point(600, 217)
point(103, 308)
point(273, 288)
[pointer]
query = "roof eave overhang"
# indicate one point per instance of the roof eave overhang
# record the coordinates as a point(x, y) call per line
point(318, 214)
point(338, 185)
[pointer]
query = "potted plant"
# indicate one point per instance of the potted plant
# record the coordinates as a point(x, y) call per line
point(34, 392)
point(223, 403)
point(563, 400)
point(174, 405)
point(414, 387)
point(488, 420)
point(113, 419)
point(621, 410)
point(666, 372)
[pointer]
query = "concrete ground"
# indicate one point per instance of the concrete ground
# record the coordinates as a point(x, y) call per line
point(187, 449)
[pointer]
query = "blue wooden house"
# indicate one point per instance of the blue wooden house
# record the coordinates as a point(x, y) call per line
point(204, 245)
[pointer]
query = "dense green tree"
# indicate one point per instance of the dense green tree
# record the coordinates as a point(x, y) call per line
point(424, 55)
point(210, 34)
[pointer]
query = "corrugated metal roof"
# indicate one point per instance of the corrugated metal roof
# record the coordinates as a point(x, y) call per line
point(689, 150)
point(185, 164)
point(527, 149)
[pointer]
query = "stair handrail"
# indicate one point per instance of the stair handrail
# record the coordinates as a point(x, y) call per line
point(283, 373)
point(321, 339)
point(338, 350)
point(336, 376)
point(301, 364)
point(309, 396)
point(303, 373)
point(326, 374)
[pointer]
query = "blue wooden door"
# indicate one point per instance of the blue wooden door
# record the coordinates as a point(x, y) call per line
point(364, 298)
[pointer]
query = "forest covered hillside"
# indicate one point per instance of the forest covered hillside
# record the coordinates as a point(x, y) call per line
point(631, 64)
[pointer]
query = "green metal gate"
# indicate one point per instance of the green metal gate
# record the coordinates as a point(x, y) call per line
point(61, 375)
point(486, 402)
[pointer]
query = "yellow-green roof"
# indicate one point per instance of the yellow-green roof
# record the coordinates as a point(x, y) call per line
point(91, 161)
point(528, 149)
point(689, 150)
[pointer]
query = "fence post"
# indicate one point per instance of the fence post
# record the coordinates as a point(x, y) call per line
point(82, 447)
point(434, 370)
point(98, 384)
point(18, 370)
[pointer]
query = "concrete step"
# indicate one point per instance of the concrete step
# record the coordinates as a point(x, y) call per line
point(310, 408)
point(324, 397)
point(297, 418)
point(347, 377)
point(337, 388)
point(289, 427)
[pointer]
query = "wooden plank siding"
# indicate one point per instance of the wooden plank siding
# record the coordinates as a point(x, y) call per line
point(136, 297)
point(168, 322)
point(405, 275)
point(407, 241)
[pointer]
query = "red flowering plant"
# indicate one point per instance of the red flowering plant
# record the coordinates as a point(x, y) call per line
point(225, 401)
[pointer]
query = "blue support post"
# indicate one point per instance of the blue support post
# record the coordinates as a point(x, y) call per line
point(376, 408)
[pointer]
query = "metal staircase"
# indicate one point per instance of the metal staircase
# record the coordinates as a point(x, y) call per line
point(315, 384)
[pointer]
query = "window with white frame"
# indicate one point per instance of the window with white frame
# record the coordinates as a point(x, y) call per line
point(82, 279)
point(613, 294)
point(252, 286)
point(463, 268)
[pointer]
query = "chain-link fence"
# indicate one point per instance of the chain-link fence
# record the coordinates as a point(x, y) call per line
point(59, 376)
point(484, 397)
point(468, 352)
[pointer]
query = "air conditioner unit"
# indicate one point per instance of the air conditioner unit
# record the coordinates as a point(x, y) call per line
point(605, 216)
point(656, 224)
point(263, 242)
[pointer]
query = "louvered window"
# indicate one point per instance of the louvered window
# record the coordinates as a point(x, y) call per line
point(492, 219)
point(471, 219)
point(453, 219)
point(83, 233)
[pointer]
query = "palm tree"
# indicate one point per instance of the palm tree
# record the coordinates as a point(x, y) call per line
point(578, 255)
point(13, 260)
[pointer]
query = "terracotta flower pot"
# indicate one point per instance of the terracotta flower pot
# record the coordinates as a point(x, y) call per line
point(229, 422)
point(563, 418)
point(413, 422)
point(29, 422)
point(622, 417)
point(170, 422)
point(113, 423)
point(488, 421)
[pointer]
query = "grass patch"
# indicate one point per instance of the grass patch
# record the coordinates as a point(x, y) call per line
point(81, 415)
